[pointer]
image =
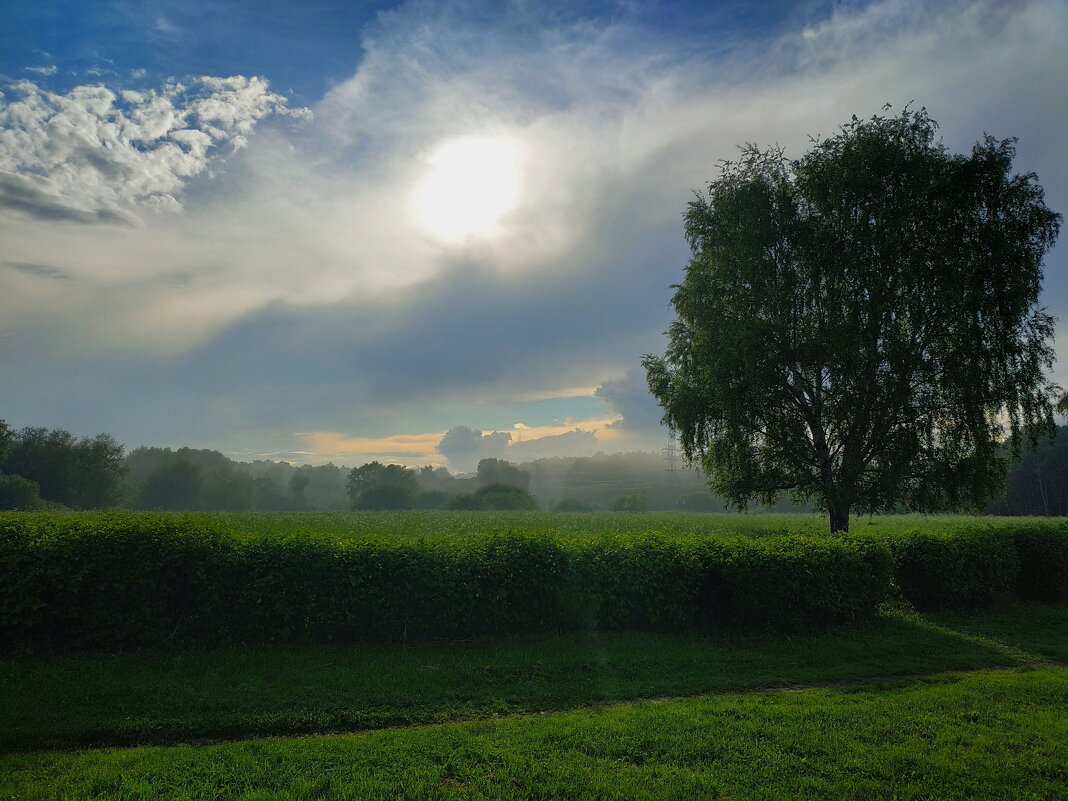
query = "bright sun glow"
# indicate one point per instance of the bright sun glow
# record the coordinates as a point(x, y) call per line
point(472, 182)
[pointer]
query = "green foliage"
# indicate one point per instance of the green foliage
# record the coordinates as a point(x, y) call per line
point(17, 492)
point(636, 501)
point(126, 580)
point(505, 497)
point(498, 471)
point(465, 502)
point(78, 473)
point(1042, 551)
point(386, 496)
point(971, 568)
point(432, 499)
point(373, 474)
point(571, 505)
point(854, 325)
point(172, 486)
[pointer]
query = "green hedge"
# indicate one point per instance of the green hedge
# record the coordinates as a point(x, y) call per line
point(982, 565)
point(129, 580)
point(1042, 551)
point(966, 569)
point(135, 580)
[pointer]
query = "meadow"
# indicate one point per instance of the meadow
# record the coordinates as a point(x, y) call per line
point(413, 526)
point(940, 689)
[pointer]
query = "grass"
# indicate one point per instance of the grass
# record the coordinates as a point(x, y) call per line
point(163, 697)
point(437, 525)
point(996, 735)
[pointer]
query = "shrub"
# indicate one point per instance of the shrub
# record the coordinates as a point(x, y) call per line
point(1042, 551)
point(966, 569)
point(17, 492)
point(793, 582)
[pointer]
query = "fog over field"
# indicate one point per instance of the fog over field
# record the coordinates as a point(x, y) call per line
point(427, 233)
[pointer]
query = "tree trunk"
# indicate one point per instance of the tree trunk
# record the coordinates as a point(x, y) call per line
point(839, 518)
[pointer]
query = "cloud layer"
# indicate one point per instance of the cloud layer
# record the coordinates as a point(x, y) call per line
point(299, 291)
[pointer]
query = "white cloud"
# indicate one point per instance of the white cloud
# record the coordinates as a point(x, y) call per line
point(45, 71)
point(93, 149)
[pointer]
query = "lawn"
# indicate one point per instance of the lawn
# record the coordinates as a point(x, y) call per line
point(989, 735)
point(166, 697)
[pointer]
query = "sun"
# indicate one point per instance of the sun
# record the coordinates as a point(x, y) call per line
point(471, 183)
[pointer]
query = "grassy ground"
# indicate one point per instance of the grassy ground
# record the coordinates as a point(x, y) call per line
point(157, 698)
point(434, 525)
point(991, 735)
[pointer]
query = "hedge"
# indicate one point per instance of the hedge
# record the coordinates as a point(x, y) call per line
point(966, 569)
point(134, 580)
point(128, 580)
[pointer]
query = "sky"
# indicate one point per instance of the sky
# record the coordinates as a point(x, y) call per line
point(426, 232)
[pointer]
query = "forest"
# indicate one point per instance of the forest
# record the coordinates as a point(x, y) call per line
point(53, 469)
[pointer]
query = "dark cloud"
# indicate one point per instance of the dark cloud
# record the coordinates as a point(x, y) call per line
point(40, 270)
point(18, 194)
point(464, 447)
point(629, 396)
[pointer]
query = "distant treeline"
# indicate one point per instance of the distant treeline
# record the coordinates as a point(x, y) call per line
point(43, 468)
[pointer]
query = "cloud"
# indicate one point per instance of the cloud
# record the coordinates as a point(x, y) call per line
point(18, 193)
point(629, 396)
point(464, 447)
point(93, 154)
point(45, 71)
point(40, 270)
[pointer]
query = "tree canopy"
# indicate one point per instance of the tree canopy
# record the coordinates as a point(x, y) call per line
point(860, 327)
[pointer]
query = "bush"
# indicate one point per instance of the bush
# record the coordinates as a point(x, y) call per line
point(793, 582)
point(967, 569)
point(17, 492)
point(637, 501)
point(1042, 551)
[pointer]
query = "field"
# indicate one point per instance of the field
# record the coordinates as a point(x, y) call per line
point(411, 526)
point(908, 704)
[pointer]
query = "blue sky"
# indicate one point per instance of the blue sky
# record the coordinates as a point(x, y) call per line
point(236, 225)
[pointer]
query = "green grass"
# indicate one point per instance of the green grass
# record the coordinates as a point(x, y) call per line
point(154, 698)
point(436, 525)
point(998, 735)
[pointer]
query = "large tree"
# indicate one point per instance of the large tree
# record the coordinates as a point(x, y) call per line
point(860, 327)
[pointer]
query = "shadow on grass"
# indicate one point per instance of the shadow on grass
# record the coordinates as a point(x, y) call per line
point(166, 698)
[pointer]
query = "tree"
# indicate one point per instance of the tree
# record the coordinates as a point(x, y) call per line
point(499, 471)
point(174, 485)
point(505, 497)
point(373, 474)
point(298, 485)
point(83, 474)
point(636, 501)
point(386, 496)
point(19, 493)
point(861, 327)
